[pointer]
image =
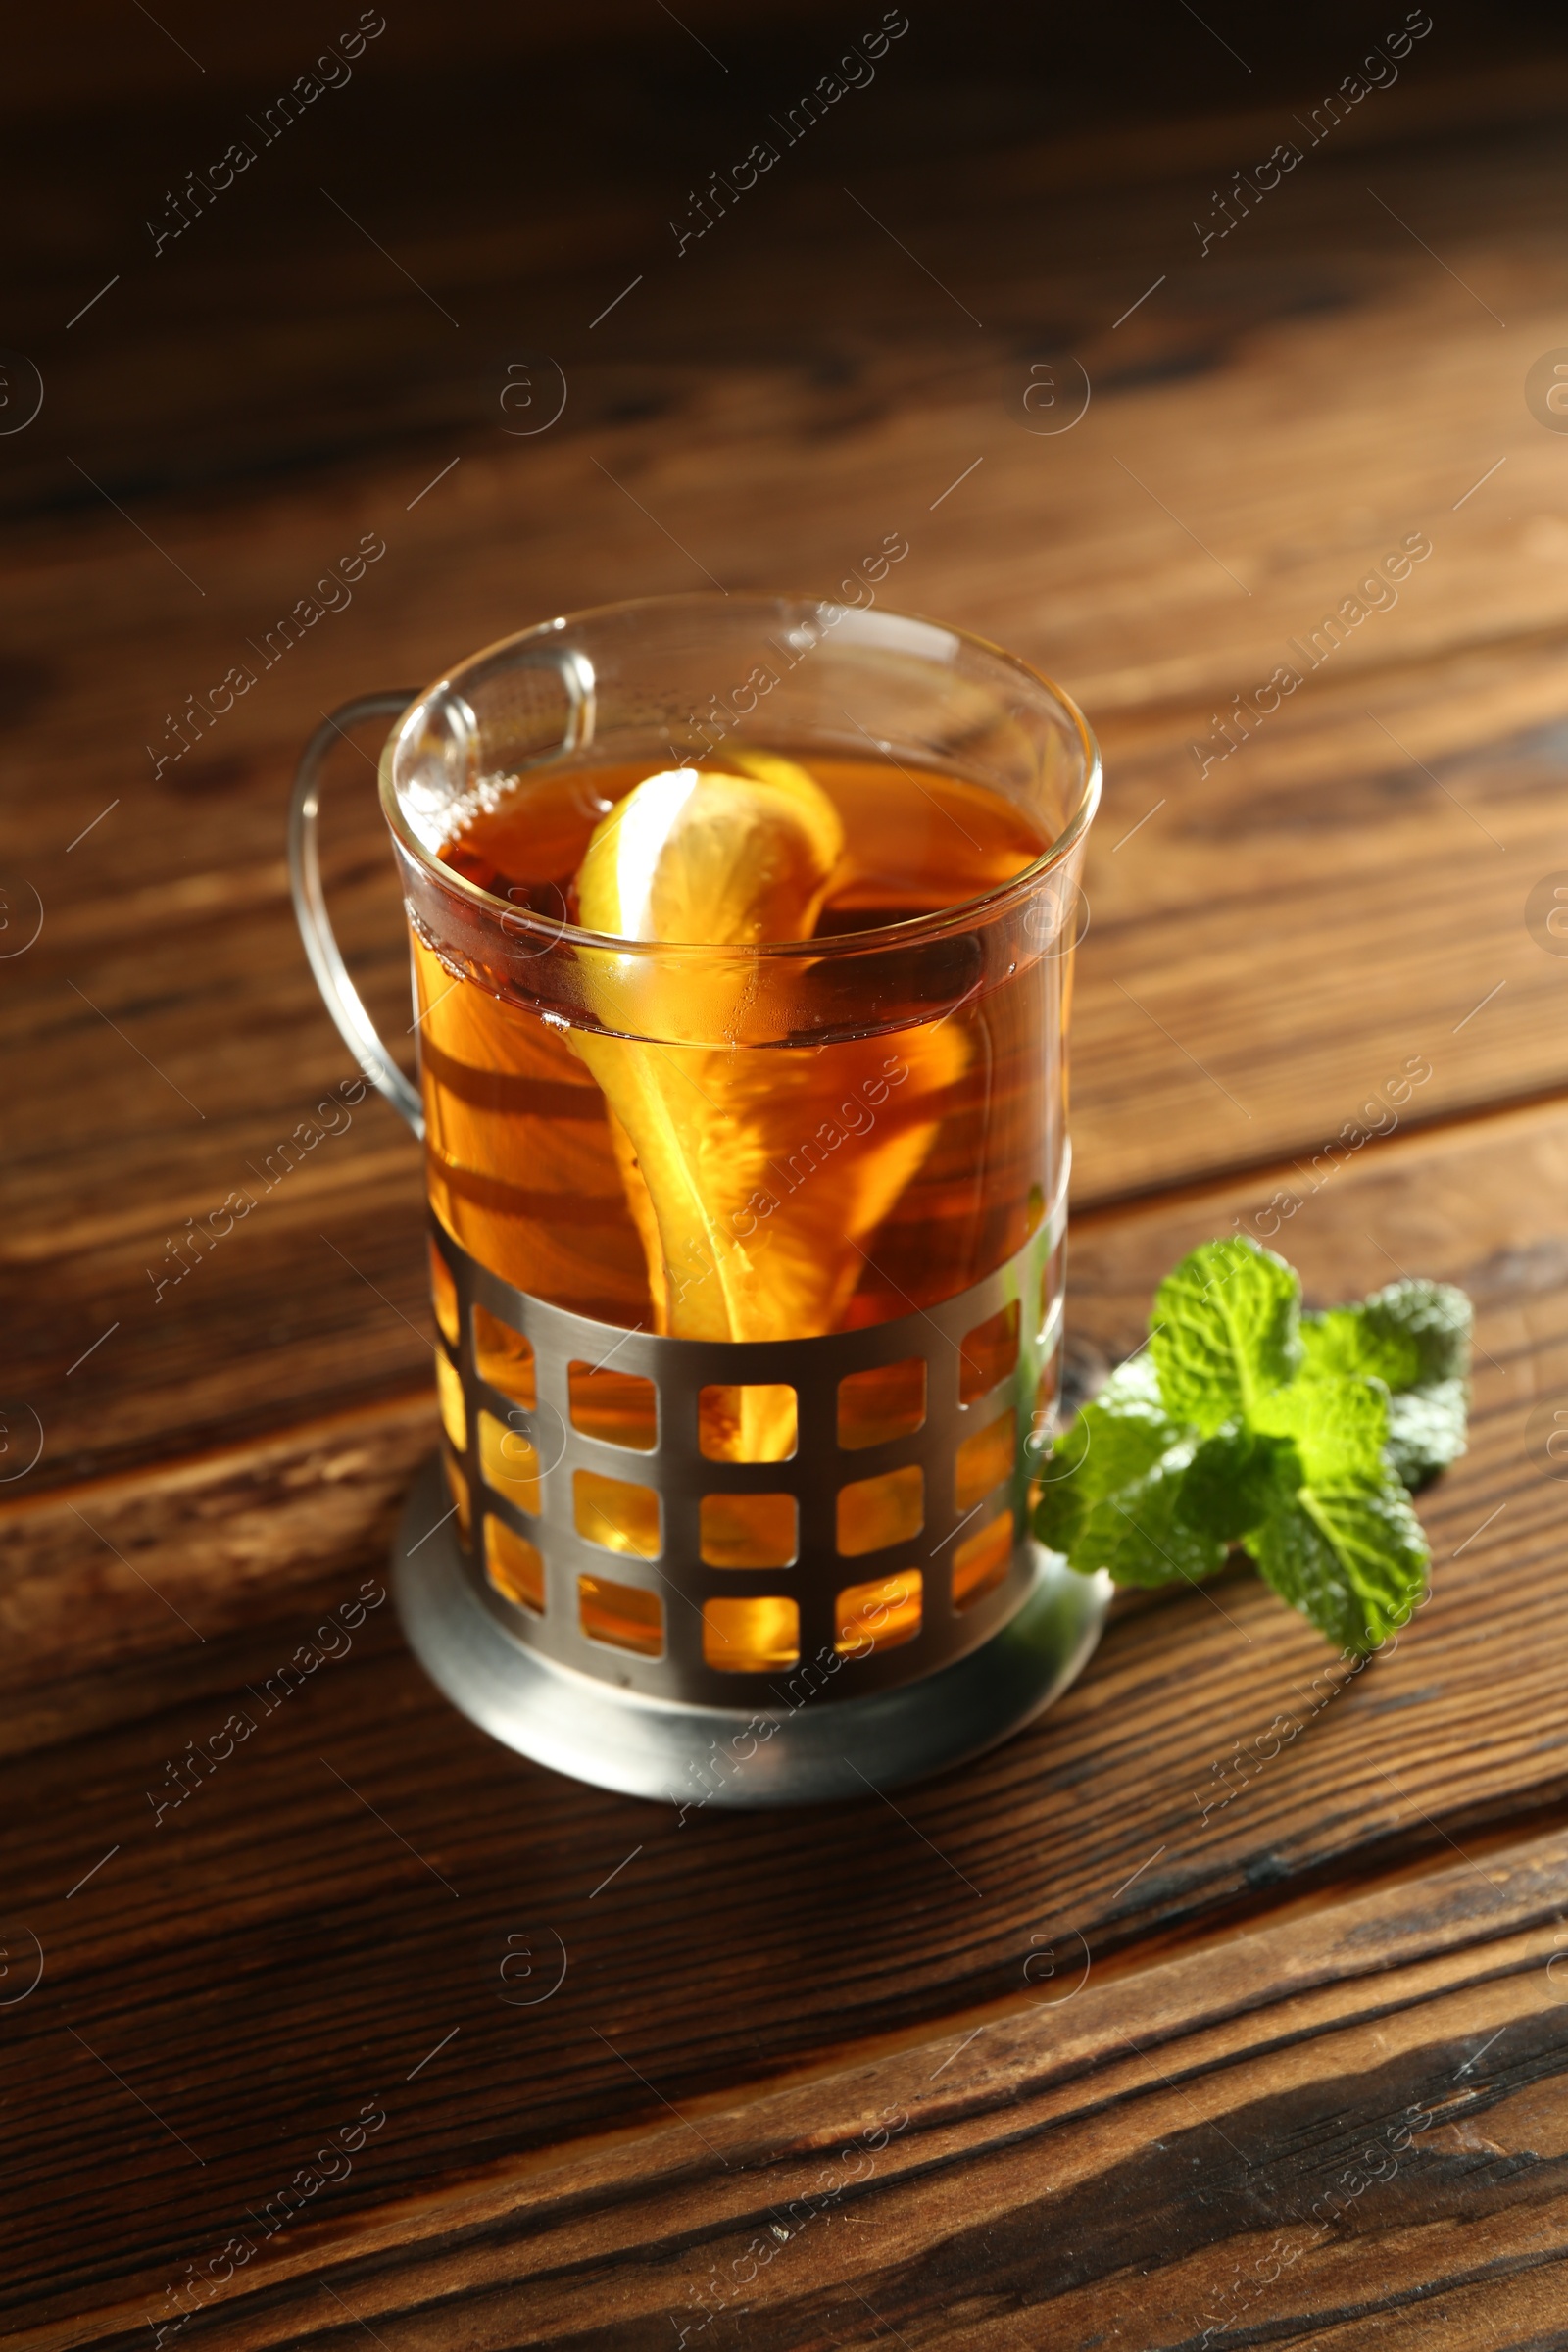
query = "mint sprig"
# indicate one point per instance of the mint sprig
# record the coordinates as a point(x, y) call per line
point(1245, 1422)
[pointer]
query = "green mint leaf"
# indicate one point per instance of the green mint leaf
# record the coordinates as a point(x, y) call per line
point(1410, 1334)
point(1344, 1340)
point(1352, 1558)
point(1224, 1332)
point(1337, 1421)
point(1135, 1381)
point(1243, 1421)
point(1435, 1316)
point(1233, 1480)
point(1428, 1428)
point(1111, 1443)
point(1142, 1534)
point(1416, 1337)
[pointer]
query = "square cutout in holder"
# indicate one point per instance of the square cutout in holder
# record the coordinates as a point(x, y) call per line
point(510, 1463)
point(750, 1636)
point(878, 1615)
point(986, 1459)
point(515, 1566)
point(989, 1353)
point(755, 1423)
point(444, 1296)
point(620, 1407)
point(625, 1616)
point(982, 1560)
point(449, 1396)
point(886, 1401)
point(618, 1513)
point(504, 1359)
point(750, 1530)
point(873, 1512)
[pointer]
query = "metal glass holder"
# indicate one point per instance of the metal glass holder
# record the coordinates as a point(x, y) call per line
point(893, 1661)
point(771, 1752)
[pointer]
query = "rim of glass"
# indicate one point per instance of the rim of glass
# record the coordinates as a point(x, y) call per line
point(521, 921)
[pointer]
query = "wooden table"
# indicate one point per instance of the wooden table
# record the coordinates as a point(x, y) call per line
point(1058, 2051)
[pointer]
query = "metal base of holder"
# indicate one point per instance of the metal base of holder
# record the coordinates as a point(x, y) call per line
point(825, 1750)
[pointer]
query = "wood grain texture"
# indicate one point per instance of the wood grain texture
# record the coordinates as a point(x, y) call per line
point(338, 1887)
point(1304, 1904)
point(190, 1550)
point(1266, 947)
point(1037, 169)
point(1352, 2120)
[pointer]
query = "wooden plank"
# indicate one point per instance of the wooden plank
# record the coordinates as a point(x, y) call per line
point(319, 1923)
point(314, 350)
point(247, 54)
point(163, 1560)
point(1246, 982)
point(1354, 2119)
point(1246, 985)
point(378, 1895)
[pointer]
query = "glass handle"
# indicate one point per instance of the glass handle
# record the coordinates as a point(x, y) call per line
point(338, 992)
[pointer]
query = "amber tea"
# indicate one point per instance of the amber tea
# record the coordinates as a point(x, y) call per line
point(736, 1191)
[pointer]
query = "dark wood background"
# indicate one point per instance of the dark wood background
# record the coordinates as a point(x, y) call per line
point(1247, 1999)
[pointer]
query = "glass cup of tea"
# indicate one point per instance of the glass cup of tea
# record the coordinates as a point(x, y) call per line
point(741, 933)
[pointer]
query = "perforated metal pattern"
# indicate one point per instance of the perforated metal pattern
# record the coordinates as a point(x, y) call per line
point(681, 1477)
